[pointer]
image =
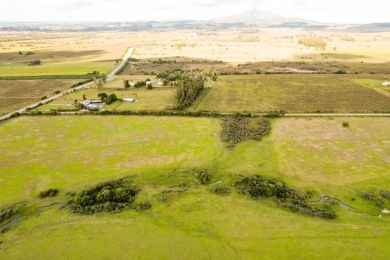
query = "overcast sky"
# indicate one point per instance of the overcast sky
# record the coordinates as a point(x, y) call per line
point(340, 11)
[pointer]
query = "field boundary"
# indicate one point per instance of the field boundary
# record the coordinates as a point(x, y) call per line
point(192, 114)
point(42, 77)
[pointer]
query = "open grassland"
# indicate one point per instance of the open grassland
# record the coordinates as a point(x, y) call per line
point(71, 153)
point(92, 149)
point(155, 99)
point(68, 68)
point(15, 94)
point(232, 45)
point(295, 93)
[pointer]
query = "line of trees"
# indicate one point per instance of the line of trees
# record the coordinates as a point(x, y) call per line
point(188, 90)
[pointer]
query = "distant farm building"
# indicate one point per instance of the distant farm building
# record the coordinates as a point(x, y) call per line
point(386, 84)
point(93, 105)
point(128, 99)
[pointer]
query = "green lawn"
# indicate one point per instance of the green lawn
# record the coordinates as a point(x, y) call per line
point(68, 68)
point(71, 153)
point(295, 93)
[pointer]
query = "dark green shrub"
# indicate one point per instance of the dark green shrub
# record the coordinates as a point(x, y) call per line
point(220, 190)
point(275, 114)
point(371, 196)
point(111, 99)
point(202, 176)
point(345, 124)
point(8, 213)
point(143, 205)
point(113, 196)
point(385, 194)
point(48, 193)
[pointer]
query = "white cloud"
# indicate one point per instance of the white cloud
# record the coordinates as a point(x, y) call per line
point(347, 11)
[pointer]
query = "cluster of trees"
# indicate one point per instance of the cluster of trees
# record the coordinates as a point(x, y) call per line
point(238, 129)
point(139, 84)
point(188, 90)
point(108, 99)
point(172, 75)
point(113, 196)
point(261, 187)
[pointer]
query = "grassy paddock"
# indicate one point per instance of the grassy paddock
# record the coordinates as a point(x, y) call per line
point(69, 68)
point(294, 93)
point(18, 93)
point(319, 155)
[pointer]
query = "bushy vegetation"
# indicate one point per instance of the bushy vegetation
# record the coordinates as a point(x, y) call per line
point(261, 187)
point(220, 189)
point(385, 194)
point(8, 213)
point(108, 99)
point(142, 205)
point(373, 197)
point(275, 114)
point(237, 129)
point(113, 196)
point(140, 84)
point(202, 176)
point(48, 193)
point(35, 63)
point(188, 90)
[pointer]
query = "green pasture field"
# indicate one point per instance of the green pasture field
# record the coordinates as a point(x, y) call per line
point(16, 94)
point(154, 99)
point(62, 68)
point(72, 153)
point(295, 93)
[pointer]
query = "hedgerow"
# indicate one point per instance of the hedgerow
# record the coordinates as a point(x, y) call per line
point(83, 76)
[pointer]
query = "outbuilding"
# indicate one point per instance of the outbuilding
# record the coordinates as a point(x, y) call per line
point(386, 84)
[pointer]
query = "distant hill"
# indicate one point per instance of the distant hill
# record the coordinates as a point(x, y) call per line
point(264, 18)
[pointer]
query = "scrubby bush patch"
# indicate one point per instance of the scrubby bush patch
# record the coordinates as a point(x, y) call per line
point(373, 197)
point(113, 196)
point(261, 187)
point(142, 205)
point(385, 194)
point(48, 193)
point(220, 189)
point(8, 213)
point(237, 129)
point(202, 176)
